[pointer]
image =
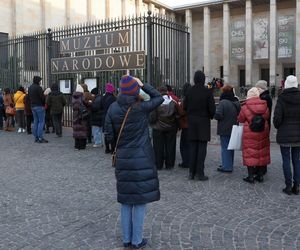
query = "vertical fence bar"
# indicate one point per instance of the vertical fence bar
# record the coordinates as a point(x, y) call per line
point(149, 48)
point(49, 56)
point(188, 57)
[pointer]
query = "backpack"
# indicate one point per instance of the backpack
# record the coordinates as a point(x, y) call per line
point(257, 123)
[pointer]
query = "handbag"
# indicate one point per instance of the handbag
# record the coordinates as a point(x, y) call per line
point(10, 110)
point(235, 142)
point(114, 154)
point(83, 111)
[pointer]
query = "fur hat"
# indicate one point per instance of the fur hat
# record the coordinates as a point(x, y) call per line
point(253, 92)
point(110, 88)
point(129, 86)
point(262, 84)
point(79, 88)
point(291, 82)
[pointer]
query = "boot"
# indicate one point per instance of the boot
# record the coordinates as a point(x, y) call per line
point(295, 189)
point(250, 178)
point(287, 190)
point(260, 174)
point(191, 176)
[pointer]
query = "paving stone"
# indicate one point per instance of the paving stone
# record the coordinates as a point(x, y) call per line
point(52, 197)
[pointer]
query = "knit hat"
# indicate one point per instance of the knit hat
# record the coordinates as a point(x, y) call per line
point(109, 88)
point(79, 88)
point(253, 92)
point(129, 86)
point(262, 84)
point(291, 82)
point(47, 91)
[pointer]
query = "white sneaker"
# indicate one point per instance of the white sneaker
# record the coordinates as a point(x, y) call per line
point(19, 130)
point(23, 130)
point(96, 146)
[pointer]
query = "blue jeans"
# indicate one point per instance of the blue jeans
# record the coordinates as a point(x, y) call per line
point(286, 153)
point(227, 155)
point(38, 121)
point(97, 134)
point(132, 219)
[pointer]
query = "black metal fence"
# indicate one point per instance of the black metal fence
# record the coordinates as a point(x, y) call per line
point(166, 44)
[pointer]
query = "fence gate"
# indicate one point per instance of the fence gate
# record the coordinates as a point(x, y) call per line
point(166, 45)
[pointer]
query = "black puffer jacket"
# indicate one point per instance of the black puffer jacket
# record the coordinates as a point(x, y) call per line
point(107, 100)
point(287, 117)
point(97, 111)
point(136, 174)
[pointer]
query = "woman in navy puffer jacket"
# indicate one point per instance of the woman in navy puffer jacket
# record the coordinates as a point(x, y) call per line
point(136, 174)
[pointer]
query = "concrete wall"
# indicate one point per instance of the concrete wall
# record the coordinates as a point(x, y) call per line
point(26, 16)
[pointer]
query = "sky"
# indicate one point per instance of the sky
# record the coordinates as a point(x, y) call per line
point(174, 3)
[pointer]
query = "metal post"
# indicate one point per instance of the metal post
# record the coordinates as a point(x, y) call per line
point(49, 54)
point(15, 71)
point(188, 59)
point(149, 49)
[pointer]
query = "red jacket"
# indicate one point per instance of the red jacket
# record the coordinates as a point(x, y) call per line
point(256, 145)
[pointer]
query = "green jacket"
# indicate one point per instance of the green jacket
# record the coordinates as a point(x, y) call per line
point(56, 102)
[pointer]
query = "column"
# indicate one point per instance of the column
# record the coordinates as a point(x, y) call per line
point(298, 40)
point(248, 42)
point(151, 7)
point(89, 10)
point(43, 14)
point(138, 7)
point(189, 23)
point(172, 15)
point(226, 48)
point(162, 11)
point(273, 29)
point(13, 18)
point(68, 12)
point(123, 4)
point(206, 35)
point(107, 9)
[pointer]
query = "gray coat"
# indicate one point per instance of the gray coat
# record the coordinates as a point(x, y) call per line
point(226, 114)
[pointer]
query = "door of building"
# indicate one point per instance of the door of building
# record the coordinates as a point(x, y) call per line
point(265, 75)
point(288, 71)
point(242, 78)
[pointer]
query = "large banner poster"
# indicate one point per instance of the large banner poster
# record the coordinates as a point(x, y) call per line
point(286, 36)
point(237, 40)
point(261, 38)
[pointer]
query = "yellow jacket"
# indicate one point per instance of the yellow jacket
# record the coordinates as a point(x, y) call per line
point(19, 100)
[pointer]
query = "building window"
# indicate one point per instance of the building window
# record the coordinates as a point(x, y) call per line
point(3, 50)
point(30, 49)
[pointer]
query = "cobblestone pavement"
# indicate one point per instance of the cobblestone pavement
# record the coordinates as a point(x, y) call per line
point(52, 197)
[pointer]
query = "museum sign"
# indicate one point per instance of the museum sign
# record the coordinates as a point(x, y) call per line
point(103, 62)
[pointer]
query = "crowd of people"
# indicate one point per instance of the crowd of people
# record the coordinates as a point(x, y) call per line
point(121, 123)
